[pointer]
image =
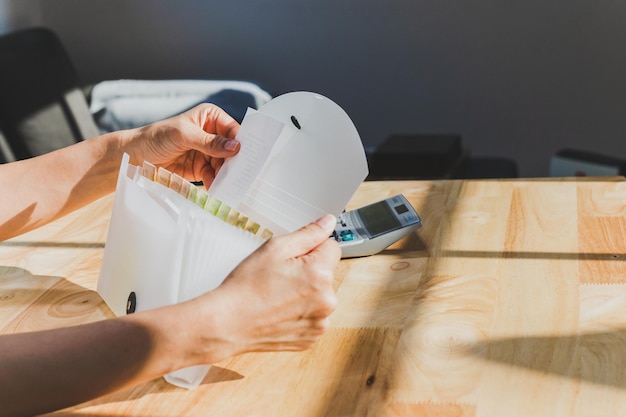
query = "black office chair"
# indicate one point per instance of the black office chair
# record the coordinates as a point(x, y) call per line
point(42, 104)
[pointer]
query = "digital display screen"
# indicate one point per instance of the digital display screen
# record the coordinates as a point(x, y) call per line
point(401, 209)
point(378, 218)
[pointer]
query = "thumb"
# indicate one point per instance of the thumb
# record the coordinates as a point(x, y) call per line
point(309, 237)
point(216, 146)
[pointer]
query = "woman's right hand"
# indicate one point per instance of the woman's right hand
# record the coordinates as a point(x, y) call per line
point(279, 298)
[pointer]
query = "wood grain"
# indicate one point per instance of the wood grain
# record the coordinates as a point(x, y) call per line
point(510, 301)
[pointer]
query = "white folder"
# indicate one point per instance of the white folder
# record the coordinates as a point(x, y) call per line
point(300, 157)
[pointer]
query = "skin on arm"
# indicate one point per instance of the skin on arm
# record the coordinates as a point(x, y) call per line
point(286, 285)
point(279, 298)
point(49, 186)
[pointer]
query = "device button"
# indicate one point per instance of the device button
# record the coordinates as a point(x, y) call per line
point(347, 235)
point(411, 219)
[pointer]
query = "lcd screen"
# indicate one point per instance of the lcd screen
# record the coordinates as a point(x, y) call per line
point(378, 218)
point(401, 209)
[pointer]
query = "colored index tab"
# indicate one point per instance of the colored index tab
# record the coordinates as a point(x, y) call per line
point(163, 176)
point(148, 170)
point(176, 182)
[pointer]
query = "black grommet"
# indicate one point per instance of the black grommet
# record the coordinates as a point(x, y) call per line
point(295, 122)
point(131, 304)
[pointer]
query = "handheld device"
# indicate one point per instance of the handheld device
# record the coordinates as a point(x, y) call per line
point(372, 228)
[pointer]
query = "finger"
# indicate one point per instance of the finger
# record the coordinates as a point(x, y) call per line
point(207, 175)
point(207, 170)
point(320, 325)
point(218, 121)
point(216, 164)
point(328, 251)
point(215, 146)
point(326, 302)
point(307, 238)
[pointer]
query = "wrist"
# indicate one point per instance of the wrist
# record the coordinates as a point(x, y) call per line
point(210, 329)
point(185, 334)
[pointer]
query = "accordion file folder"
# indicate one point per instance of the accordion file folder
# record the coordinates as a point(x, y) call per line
point(170, 241)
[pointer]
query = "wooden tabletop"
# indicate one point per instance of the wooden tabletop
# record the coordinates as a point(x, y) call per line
point(510, 301)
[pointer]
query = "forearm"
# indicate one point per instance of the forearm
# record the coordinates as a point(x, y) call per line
point(278, 298)
point(45, 371)
point(41, 189)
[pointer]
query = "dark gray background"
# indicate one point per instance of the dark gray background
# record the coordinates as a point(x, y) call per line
point(520, 79)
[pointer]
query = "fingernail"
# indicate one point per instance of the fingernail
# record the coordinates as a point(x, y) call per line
point(230, 145)
point(327, 221)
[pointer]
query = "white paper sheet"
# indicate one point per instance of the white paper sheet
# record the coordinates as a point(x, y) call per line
point(257, 135)
point(290, 176)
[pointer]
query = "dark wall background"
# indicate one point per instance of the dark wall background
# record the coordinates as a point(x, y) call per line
point(520, 79)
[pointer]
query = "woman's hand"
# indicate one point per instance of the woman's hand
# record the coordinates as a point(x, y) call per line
point(193, 144)
point(279, 298)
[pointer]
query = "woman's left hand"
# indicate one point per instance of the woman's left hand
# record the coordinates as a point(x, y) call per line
point(193, 144)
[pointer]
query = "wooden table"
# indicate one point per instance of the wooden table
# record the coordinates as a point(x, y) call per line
point(510, 301)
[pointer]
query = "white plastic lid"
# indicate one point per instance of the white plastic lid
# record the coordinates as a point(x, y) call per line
point(301, 157)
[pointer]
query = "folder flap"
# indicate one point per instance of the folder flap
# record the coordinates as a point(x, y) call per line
point(310, 162)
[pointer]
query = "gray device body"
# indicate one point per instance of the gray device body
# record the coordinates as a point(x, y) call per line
point(372, 228)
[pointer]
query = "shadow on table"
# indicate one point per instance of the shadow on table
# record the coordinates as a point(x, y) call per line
point(60, 301)
point(367, 356)
point(39, 244)
point(599, 357)
point(533, 255)
point(157, 386)
point(64, 303)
